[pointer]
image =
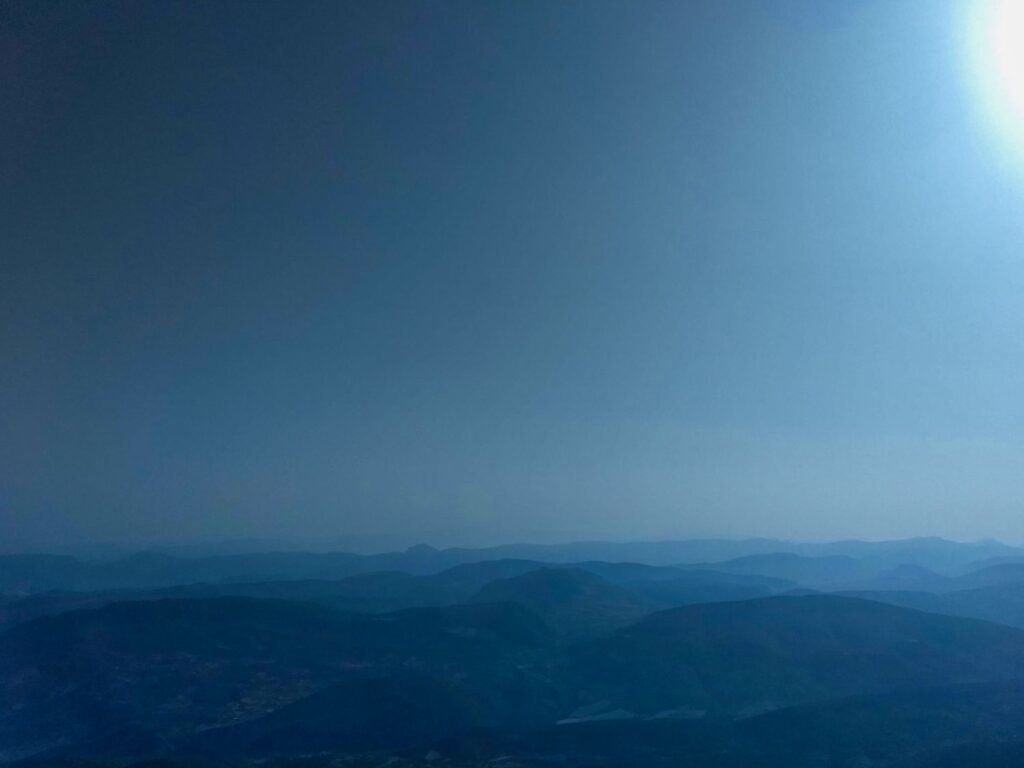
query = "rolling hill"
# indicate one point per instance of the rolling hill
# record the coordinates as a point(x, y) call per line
point(171, 667)
point(575, 602)
point(768, 653)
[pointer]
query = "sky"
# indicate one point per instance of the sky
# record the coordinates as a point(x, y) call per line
point(470, 272)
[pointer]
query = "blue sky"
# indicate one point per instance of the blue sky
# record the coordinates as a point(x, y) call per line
point(469, 272)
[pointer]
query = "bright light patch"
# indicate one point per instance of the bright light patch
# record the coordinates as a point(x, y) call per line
point(997, 49)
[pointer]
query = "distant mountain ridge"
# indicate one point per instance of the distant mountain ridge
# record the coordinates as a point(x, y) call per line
point(22, 574)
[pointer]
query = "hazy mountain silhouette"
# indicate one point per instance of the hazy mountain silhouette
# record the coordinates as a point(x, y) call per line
point(20, 574)
point(739, 662)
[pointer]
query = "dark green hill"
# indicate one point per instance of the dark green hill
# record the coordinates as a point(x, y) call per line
point(394, 712)
point(888, 727)
point(700, 586)
point(773, 652)
point(818, 680)
point(910, 729)
point(972, 755)
point(628, 573)
point(173, 666)
point(576, 603)
point(373, 713)
point(472, 576)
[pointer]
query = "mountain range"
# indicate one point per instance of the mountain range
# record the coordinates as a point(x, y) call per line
point(904, 654)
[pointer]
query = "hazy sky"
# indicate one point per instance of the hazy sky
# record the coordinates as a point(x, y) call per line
point(476, 271)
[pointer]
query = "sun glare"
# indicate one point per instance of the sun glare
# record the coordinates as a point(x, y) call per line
point(997, 49)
